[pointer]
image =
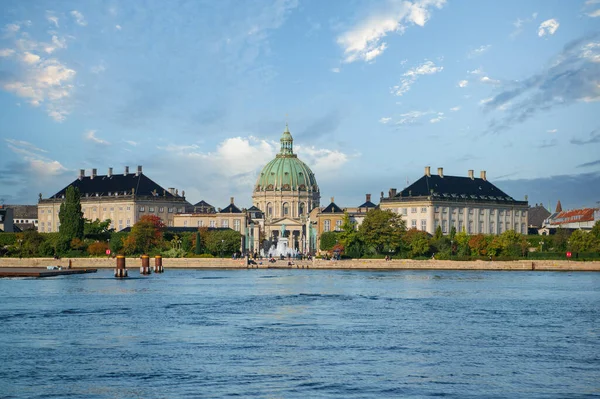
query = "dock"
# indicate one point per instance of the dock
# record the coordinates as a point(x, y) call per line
point(40, 272)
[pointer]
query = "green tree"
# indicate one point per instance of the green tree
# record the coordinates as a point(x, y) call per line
point(583, 241)
point(222, 242)
point(382, 230)
point(461, 240)
point(96, 229)
point(452, 232)
point(198, 244)
point(70, 215)
point(145, 234)
point(417, 242)
point(328, 240)
point(438, 233)
point(512, 243)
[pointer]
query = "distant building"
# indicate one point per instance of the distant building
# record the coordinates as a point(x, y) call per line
point(25, 216)
point(123, 198)
point(466, 203)
point(576, 219)
point(535, 218)
point(6, 220)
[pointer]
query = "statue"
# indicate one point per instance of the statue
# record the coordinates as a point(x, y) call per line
point(283, 230)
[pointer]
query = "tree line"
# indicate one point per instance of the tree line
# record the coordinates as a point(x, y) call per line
point(384, 233)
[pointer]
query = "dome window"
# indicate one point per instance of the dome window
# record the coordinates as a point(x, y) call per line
point(302, 187)
point(286, 186)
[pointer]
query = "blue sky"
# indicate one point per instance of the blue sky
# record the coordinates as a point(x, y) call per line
point(198, 92)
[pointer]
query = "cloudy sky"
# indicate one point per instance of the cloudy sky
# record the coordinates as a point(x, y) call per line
point(198, 92)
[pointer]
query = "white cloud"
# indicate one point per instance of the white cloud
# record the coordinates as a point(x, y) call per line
point(6, 52)
point(412, 117)
point(591, 52)
point(440, 116)
point(477, 71)
point(385, 120)
point(594, 14)
point(488, 80)
point(552, 131)
point(485, 100)
point(410, 76)
point(463, 83)
point(365, 40)
point(454, 109)
point(132, 143)
point(548, 27)
point(335, 70)
point(98, 68)
point(47, 82)
point(11, 28)
point(90, 135)
point(118, 27)
point(30, 58)
point(519, 23)
point(479, 50)
point(52, 18)
point(40, 165)
point(79, 18)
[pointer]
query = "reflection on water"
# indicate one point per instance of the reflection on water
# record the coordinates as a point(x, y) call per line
point(301, 334)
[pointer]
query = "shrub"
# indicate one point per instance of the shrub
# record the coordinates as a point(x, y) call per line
point(98, 248)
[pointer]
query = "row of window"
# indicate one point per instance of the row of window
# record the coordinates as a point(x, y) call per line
point(501, 212)
point(502, 227)
point(285, 209)
point(327, 225)
point(161, 209)
point(237, 224)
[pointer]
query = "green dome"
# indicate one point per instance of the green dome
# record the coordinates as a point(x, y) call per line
point(286, 172)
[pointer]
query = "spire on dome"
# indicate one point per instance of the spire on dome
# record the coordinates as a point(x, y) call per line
point(287, 142)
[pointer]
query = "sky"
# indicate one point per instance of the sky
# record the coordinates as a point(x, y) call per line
point(199, 92)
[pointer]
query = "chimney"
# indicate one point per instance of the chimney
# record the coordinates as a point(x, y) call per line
point(392, 192)
point(126, 170)
point(109, 172)
point(428, 171)
point(81, 174)
point(94, 173)
point(471, 174)
point(139, 170)
point(231, 200)
point(441, 172)
point(368, 197)
point(482, 174)
point(332, 199)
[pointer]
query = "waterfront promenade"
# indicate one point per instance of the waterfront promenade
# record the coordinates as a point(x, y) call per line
point(227, 263)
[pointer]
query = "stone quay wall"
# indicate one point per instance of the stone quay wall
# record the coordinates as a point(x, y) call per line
point(371, 264)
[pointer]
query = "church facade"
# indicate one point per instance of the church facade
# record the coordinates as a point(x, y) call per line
point(286, 191)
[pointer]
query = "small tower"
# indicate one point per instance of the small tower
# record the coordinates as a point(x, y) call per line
point(558, 207)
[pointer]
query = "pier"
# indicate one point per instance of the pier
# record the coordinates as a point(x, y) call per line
point(40, 272)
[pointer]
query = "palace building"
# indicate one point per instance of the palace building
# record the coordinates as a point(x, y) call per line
point(469, 204)
point(123, 198)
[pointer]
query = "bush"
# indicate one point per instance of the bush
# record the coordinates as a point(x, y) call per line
point(8, 239)
point(97, 248)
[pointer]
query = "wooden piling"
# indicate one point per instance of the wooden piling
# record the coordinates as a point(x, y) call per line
point(145, 268)
point(158, 266)
point(121, 270)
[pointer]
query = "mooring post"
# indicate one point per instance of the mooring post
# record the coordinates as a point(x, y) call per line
point(120, 271)
point(158, 266)
point(145, 268)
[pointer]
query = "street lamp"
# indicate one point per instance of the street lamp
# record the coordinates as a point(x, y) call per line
point(451, 248)
point(222, 247)
point(542, 246)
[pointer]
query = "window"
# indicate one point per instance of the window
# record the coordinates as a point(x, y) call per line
point(269, 210)
point(185, 223)
point(501, 212)
point(404, 211)
point(460, 211)
point(507, 213)
point(170, 210)
point(470, 227)
point(142, 209)
point(104, 209)
point(128, 222)
point(224, 223)
point(236, 224)
point(161, 209)
point(423, 210)
point(286, 209)
point(437, 209)
point(470, 211)
point(516, 227)
point(327, 225)
point(423, 224)
point(49, 225)
point(413, 224)
point(480, 226)
point(170, 223)
point(460, 226)
point(444, 210)
point(523, 231)
point(413, 210)
point(128, 208)
point(112, 209)
point(42, 223)
point(492, 229)
point(444, 227)
point(436, 224)
point(301, 209)
point(213, 223)
point(180, 210)
point(500, 227)
point(481, 212)
point(338, 225)
point(200, 223)
point(42, 211)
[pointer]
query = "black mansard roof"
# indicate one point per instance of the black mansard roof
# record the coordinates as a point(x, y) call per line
point(231, 208)
point(332, 208)
point(117, 184)
point(454, 188)
point(368, 204)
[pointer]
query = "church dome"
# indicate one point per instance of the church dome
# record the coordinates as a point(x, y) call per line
point(286, 172)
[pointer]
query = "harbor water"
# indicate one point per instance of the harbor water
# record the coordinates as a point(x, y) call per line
point(301, 334)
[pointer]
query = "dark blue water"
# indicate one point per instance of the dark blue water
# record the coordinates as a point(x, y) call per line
point(302, 334)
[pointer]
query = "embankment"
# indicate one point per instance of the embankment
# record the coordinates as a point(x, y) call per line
point(218, 263)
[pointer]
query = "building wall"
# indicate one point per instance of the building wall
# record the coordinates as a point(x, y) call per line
point(234, 221)
point(474, 218)
point(271, 203)
point(123, 211)
point(6, 220)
